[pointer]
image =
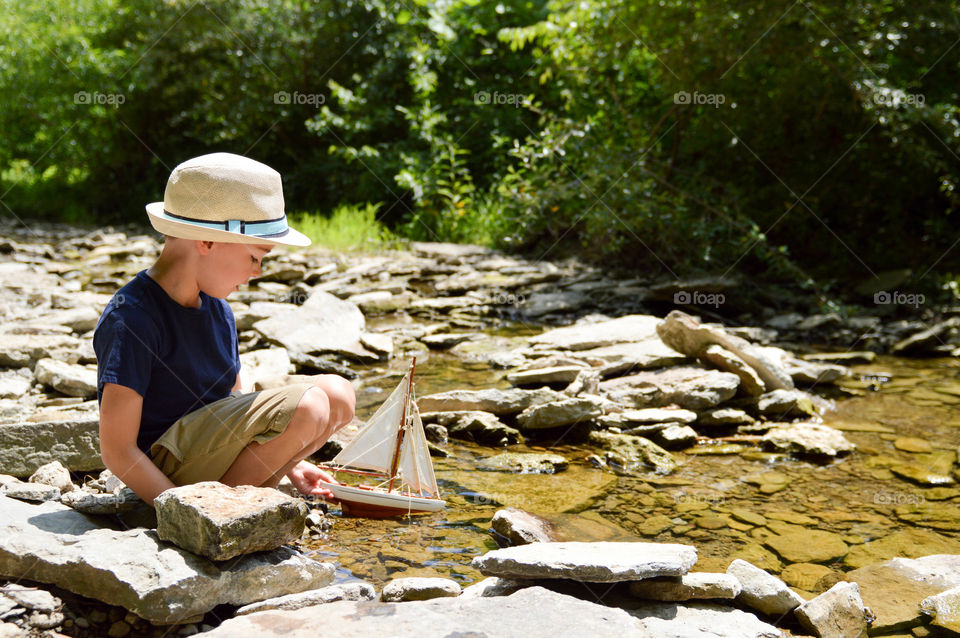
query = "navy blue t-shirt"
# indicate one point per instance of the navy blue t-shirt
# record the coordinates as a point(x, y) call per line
point(178, 359)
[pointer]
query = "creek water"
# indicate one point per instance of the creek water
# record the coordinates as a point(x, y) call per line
point(728, 502)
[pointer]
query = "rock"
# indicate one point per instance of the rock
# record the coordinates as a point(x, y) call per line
point(323, 323)
point(780, 404)
point(124, 500)
point(846, 358)
point(622, 358)
point(525, 463)
point(925, 341)
point(657, 415)
point(31, 598)
point(801, 545)
point(491, 587)
point(750, 382)
point(676, 437)
point(664, 620)
point(332, 593)
point(50, 543)
point(559, 413)
point(418, 588)
point(447, 340)
point(24, 351)
point(378, 343)
point(807, 438)
point(762, 591)
point(912, 444)
point(30, 491)
point(506, 616)
point(481, 427)
point(563, 302)
point(837, 612)
point(25, 447)
point(517, 527)
point(724, 416)
point(808, 373)
point(635, 450)
point(541, 376)
point(944, 609)
point(690, 387)
point(921, 475)
point(67, 378)
point(906, 543)
point(894, 590)
point(601, 562)
point(499, 402)
point(805, 576)
point(690, 586)
point(686, 335)
point(14, 383)
point(586, 382)
point(260, 367)
point(54, 474)
point(935, 515)
point(312, 364)
point(630, 328)
point(220, 522)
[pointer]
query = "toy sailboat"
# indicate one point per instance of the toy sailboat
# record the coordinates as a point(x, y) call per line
point(393, 448)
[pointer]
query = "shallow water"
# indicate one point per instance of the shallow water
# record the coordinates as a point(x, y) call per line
point(857, 498)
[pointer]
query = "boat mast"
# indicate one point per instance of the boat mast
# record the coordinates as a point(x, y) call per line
point(403, 429)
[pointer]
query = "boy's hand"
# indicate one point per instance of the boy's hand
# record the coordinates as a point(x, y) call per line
point(307, 478)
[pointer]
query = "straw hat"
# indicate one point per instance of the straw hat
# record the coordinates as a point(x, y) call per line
point(227, 198)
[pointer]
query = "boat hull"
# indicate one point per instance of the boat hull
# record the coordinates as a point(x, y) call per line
point(371, 503)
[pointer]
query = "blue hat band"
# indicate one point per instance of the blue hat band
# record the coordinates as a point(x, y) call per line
point(267, 228)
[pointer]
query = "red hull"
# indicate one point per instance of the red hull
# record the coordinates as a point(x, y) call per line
point(365, 510)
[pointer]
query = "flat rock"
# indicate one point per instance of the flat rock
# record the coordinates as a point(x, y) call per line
point(935, 515)
point(722, 359)
point(797, 544)
point(676, 437)
point(944, 609)
point(24, 351)
point(804, 576)
point(525, 463)
point(67, 378)
point(601, 562)
point(492, 586)
point(622, 358)
point(330, 594)
point(634, 450)
point(894, 590)
point(220, 522)
point(447, 340)
point(810, 373)
point(123, 500)
point(921, 475)
point(324, 323)
point(762, 591)
point(657, 415)
point(418, 588)
point(34, 492)
point(510, 616)
point(14, 384)
point(516, 527)
point(260, 367)
point(686, 335)
point(602, 333)
point(25, 447)
point(807, 438)
point(134, 569)
point(781, 404)
point(499, 402)
point(912, 444)
point(698, 620)
point(923, 342)
point(482, 427)
point(836, 612)
point(906, 543)
point(559, 413)
point(690, 586)
point(541, 376)
point(691, 387)
point(724, 416)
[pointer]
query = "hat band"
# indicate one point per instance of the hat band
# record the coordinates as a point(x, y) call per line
point(266, 228)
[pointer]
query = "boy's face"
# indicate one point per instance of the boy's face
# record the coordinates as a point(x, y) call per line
point(226, 266)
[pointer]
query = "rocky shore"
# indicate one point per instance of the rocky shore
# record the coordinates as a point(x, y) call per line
point(639, 383)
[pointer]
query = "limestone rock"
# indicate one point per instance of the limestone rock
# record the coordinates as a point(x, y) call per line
point(905, 543)
point(762, 591)
point(418, 588)
point(332, 593)
point(36, 492)
point(525, 463)
point(68, 378)
point(124, 500)
point(837, 612)
point(798, 544)
point(510, 616)
point(50, 543)
point(492, 586)
point(944, 609)
point(24, 351)
point(516, 527)
point(657, 415)
point(324, 323)
point(24, 447)
point(622, 358)
point(219, 522)
point(15, 383)
point(724, 416)
point(810, 373)
point(750, 382)
point(664, 620)
point(601, 562)
point(541, 376)
point(602, 333)
point(263, 366)
point(559, 413)
point(781, 404)
point(478, 426)
point(499, 402)
point(54, 474)
point(686, 335)
point(690, 586)
point(925, 341)
point(807, 438)
point(635, 450)
point(691, 387)
point(676, 437)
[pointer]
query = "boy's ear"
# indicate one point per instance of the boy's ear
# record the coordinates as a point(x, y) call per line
point(204, 246)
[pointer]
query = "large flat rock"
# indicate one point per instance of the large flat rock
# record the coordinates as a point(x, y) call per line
point(602, 333)
point(664, 620)
point(324, 323)
point(603, 562)
point(533, 612)
point(691, 387)
point(499, 402)
point(51, 543)
point(24, 447)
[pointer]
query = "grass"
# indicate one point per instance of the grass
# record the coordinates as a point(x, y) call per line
point(348, 228)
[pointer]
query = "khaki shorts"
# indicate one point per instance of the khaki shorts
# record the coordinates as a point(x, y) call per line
point(203, 444)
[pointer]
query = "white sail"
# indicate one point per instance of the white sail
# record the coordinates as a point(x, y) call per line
point(376, 443)
point(416, 467)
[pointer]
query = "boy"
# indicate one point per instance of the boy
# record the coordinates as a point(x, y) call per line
point(167, 359)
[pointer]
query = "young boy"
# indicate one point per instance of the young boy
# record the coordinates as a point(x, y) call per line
point(167, 359)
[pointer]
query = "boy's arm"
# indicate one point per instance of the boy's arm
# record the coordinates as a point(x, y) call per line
point(120, 411)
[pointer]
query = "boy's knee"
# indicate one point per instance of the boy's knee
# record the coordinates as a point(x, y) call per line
point(341, 397)
point(313, 411)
